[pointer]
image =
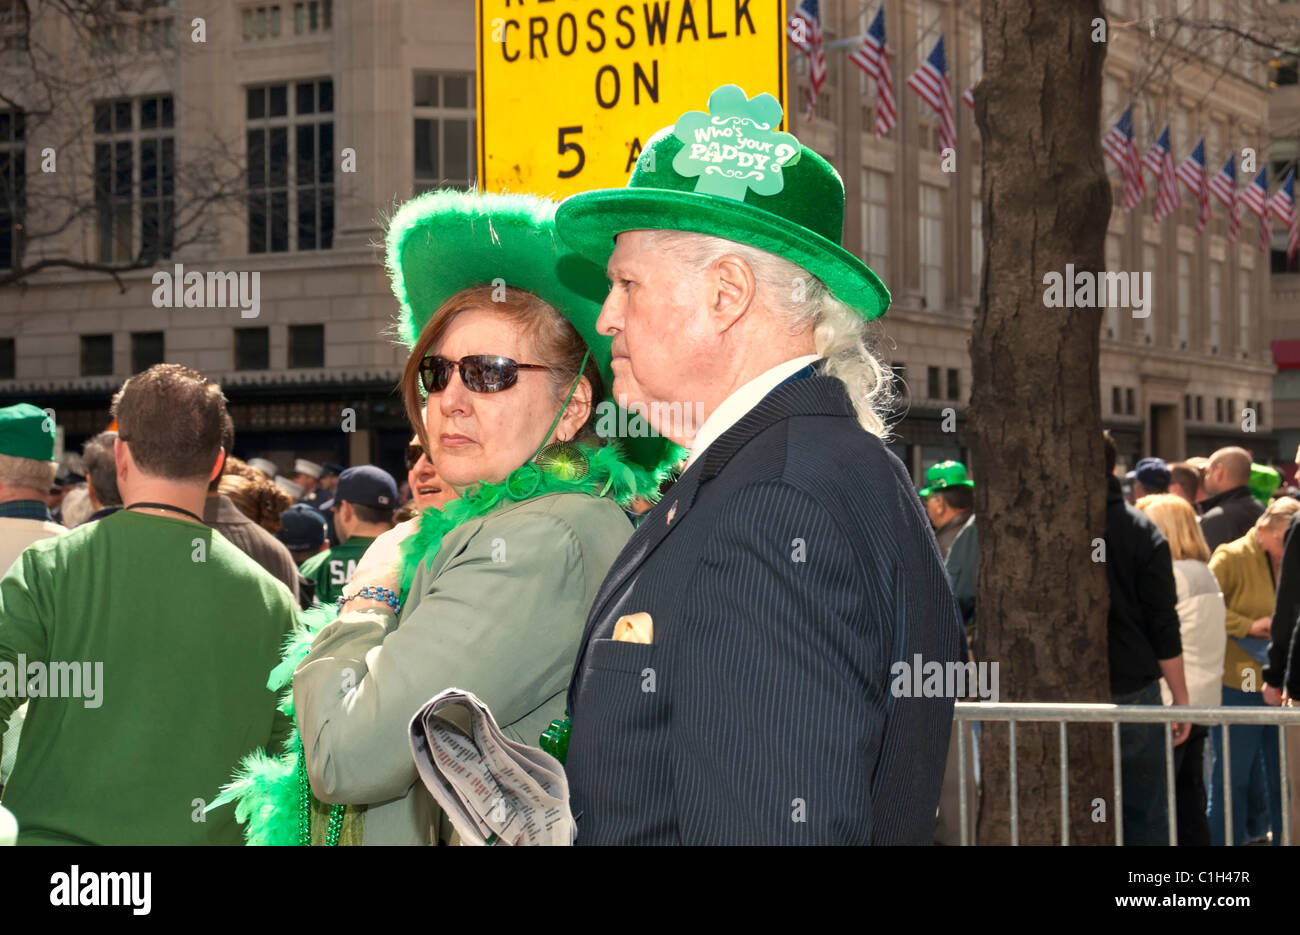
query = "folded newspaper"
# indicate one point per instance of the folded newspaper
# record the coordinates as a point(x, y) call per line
point(493, 789)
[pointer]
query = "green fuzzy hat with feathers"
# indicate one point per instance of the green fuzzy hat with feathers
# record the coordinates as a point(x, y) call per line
point(444, 241)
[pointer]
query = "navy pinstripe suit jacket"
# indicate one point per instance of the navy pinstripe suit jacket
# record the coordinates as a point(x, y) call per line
point(786, 571)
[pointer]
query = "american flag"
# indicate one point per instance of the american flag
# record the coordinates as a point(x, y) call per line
point(805, 31)
point(1122, 149)
point(1192, 172)
point(1282, 204)
point(1153, 161)
point(1255, 197)
point(873, 58)
point(1224, 187)
point(1167, 197)
point(968, 97)
point(931, 82)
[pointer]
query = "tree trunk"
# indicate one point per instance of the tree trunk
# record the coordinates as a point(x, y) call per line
point(1035, 414)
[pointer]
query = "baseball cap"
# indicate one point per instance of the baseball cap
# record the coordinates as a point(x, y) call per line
point(365, 485)
point(1152, 473)
point(302, 528)
point(26, 432)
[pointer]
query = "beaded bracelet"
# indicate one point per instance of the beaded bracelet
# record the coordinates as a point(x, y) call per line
point(379, 594)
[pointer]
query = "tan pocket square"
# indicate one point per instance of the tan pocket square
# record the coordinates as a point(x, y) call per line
point(635, 628)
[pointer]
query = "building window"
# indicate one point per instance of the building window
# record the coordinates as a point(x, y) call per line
point(1243, 311)
point(13, 185)
point(1284, 71)
point(1149, 323)
point(130, 133)
point(96, 355)
point(7, 358)
point(1259, 413)
point(156, 34)
point(1230, 410)
point(306, 345)
point(1216, 308)
point(1218, 409)
point(954, 383)
point(932, 198)
point(14, 28)
point(1116, 401)
point(1200, 408)
point(1184, 301)
point(252, 348)
point(291, 166)
point(445, 155)
point(875, 222)
point(1187, 408)
point(900, 378)
point(932, 383)
point(1128, 401)
point(146, 350)
point(1112, 263)
point(261, 22)
point(313, 16)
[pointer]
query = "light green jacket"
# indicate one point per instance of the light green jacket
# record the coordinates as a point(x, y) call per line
point(499, 612)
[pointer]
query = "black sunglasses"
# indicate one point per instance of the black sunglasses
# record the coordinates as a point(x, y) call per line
point(481, 373)
point(413, 454)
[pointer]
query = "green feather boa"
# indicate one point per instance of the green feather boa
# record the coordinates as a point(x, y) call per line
point(265, 786)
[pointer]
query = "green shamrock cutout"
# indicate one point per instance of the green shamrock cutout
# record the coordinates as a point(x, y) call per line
point(733, 147)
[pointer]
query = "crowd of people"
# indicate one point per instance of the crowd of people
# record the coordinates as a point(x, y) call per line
point(1204, 577)
point(235, 654)
point(262, 659)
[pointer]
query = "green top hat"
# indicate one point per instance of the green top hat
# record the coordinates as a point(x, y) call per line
point(945, 474)
point(444, 241)
point(730, 174)
point(1263, 481)
point(26, 432)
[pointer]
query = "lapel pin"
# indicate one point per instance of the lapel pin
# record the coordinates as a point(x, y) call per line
point(672, 511)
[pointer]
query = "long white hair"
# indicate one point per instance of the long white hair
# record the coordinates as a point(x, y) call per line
point(801, 301)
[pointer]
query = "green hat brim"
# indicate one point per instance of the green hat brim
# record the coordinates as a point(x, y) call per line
point(926, 491)
point(590, 221)
point(444, 241)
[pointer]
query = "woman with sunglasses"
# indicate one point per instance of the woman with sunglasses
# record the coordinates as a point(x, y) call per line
point(490, 593)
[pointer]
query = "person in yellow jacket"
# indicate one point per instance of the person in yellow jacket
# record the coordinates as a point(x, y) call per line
point(1246, 570)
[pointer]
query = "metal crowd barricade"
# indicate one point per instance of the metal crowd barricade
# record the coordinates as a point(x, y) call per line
point(966, 713)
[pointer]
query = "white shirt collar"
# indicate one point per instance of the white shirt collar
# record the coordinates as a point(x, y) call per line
point(735, 406)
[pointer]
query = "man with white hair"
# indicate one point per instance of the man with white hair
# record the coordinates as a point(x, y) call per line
point(27, 469)
point(746, 676)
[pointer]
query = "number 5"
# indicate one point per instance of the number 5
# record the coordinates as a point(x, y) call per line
point(565, 147)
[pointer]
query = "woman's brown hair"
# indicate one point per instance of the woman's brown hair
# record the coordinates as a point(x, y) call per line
point(555, 341)
point(257, 498)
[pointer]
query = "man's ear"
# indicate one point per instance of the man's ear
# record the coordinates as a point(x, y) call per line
point(218, 466)
point(121, 459)
point(733, 289)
